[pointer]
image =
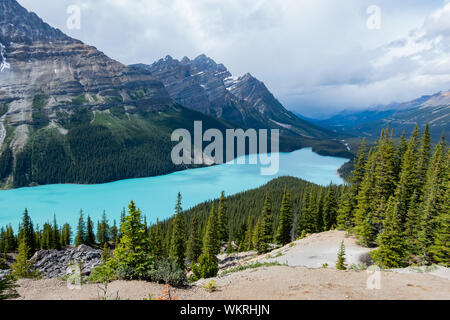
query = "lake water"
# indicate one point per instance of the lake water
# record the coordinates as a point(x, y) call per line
point(156, 196)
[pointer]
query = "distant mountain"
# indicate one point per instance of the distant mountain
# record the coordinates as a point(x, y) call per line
point(203, 85)
point(434, 110)
point(70, 114)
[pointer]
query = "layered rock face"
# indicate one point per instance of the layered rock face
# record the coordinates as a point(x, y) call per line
point(206, 86)
point(43, 60)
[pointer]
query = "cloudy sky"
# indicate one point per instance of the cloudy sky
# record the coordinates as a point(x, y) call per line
point(316, 56)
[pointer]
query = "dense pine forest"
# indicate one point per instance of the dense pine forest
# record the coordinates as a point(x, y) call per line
point(397, 201)
point(88, 147)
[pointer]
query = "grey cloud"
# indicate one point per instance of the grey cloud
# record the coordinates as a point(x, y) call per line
point(312, 54)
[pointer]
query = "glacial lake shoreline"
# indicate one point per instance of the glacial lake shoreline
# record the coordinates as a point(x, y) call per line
point(156, 196)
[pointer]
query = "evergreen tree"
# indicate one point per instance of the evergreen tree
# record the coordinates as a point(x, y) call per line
point(194, 245)
point(131, 252)
point(345, 218)
point(80, 237)
point(412, 225)
point(364, 225)
point(258, 238)
point(22, 268)
point(283, 236)
point(223, 218)
point(340, 264)
point(384, 169)
point(156, 240)
point(346, 211)
point(248, 240)
point(114, 232)
point(10, 240)
point(106, 253)
point(392, 248)
point(307, 220)
point(400, 152)
point(408, 179)
point(423, 158)
point(266, 231)
point(90, 235)
point(211, 242)
point(66, 235)
point(103, 230)
point(330, 209)
point(357, 175)
point(56, 244)
point(440, 250)
point(433, 200)
point(178, 244)
point(320, 210)
point(26, 232)
point(208, 263)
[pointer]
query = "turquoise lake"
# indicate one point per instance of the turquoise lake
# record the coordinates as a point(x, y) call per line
point(156, 196)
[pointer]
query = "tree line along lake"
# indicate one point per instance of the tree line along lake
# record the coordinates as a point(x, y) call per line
point(156, 196)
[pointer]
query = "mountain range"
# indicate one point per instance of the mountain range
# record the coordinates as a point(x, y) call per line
point(71, 114)
point(432, 109)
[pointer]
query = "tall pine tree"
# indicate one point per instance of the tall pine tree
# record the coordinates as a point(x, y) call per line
point(283, 236)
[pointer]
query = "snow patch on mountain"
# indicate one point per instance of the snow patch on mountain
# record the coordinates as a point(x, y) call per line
point(3, 63)
point(230, 82)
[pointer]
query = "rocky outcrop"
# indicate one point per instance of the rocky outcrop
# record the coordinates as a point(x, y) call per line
point(54, 263)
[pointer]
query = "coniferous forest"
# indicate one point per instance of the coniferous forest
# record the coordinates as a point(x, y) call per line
point(396, 201)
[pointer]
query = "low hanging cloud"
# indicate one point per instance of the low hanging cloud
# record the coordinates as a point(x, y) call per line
point(316, 56)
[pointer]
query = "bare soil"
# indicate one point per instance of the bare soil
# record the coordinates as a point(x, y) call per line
point(301, 278)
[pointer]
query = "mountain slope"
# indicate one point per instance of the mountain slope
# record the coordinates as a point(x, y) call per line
point(68, 113)
point(434, 110)
point(203, 85)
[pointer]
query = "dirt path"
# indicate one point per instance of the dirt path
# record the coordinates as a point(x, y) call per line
point(317, 250)
point(269, 283)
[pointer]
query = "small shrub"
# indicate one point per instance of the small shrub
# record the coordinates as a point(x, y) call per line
point(366, 259)
point(325, 265)
point(211, 286)
point(207, 267)
point(340, 264)
point(358, 267)
point(106, 272)
point(166, 271)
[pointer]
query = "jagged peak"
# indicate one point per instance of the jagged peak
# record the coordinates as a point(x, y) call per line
point(17, 24)
point(185, 60)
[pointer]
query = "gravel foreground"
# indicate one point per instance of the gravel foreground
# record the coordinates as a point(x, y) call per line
point(267, 283)
point(301, 277)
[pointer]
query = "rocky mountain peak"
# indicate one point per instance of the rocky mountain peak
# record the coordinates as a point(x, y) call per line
point(18, 25)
